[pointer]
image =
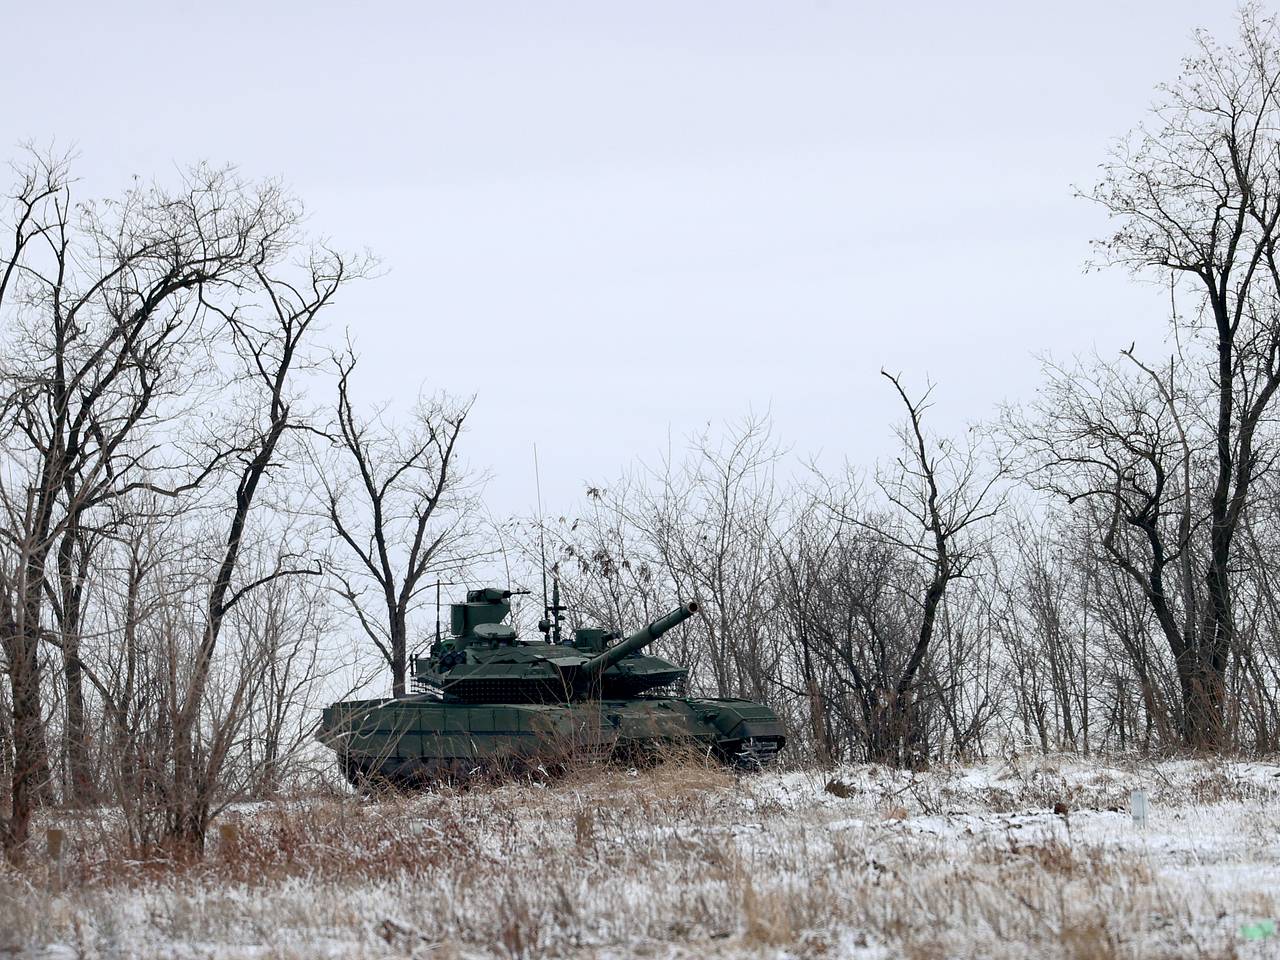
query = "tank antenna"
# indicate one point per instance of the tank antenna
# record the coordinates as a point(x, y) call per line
point(556, 608)
point(543, 625)
point(549, 625)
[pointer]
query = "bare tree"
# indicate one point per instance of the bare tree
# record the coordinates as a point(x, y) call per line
point(939, 496)
point(269, 340)
point(710, 523)
point(1196, 195)
point(107, 304)
point(1044, 613)
point(610, 574)
point(1119, 445)
point(398, 503)
point(804, 559)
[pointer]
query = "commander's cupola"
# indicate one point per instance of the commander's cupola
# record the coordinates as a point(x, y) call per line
point(480, 619)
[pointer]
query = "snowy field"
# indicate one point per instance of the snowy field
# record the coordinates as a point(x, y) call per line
point(688, 862)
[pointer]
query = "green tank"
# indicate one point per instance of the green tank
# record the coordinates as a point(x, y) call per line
point(488, 701)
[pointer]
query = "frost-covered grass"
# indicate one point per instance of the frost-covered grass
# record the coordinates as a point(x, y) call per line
point(681, 861)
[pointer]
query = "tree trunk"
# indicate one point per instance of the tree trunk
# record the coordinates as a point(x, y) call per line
point(818, 724)
point(399, 666)
point(30, 774)
point(81, 788)
point(1202, 686)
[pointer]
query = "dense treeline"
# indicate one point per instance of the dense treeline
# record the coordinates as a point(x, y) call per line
point(814, 596)
point(193, 526)
point(1130, 601)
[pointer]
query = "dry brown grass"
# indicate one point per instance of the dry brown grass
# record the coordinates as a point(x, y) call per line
point(678, 860)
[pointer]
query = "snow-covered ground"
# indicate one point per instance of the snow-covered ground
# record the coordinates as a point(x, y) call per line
point(688, 862)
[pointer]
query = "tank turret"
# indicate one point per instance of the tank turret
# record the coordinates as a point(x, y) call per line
point(484, 659)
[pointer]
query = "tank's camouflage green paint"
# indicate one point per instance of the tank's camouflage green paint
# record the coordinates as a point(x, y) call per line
point(490, 701)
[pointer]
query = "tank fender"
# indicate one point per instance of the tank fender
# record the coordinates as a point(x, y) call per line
point(740, 719)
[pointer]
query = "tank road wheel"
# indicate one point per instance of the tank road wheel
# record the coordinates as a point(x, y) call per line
point(367, 781)
point(352, 771)
point(752, 754)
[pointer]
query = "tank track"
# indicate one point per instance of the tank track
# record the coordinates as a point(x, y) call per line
point(755, 753)
point(749, 756)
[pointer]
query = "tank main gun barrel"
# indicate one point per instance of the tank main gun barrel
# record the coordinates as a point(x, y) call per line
point(640, 639)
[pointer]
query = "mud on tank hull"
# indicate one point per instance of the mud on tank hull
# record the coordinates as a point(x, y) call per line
point(419, 739)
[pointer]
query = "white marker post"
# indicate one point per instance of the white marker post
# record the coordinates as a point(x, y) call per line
point(1138, 806)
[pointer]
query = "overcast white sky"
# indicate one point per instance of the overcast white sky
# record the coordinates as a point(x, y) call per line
point(618, 221)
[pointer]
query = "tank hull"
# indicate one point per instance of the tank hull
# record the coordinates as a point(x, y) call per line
point(418, 739)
